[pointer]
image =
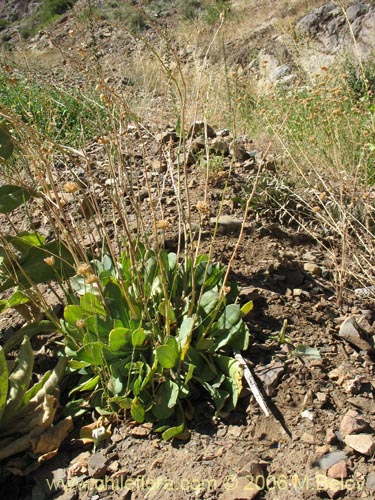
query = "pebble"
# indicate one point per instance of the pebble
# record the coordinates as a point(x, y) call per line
point(243, 490)
point(312, 269)
point(352, 423)
point(227, 223)
point(308, 438)
point(331, 459)
point(330, 436)
point(97, 466)
point(363, 443)
point(355, 335)
point(370, 481)
point(200, 128)
point(338, 471)
point(332, 486)
point(308, 414)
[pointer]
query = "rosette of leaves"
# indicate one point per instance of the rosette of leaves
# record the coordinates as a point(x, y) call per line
point(148, 329)
point(28, 435)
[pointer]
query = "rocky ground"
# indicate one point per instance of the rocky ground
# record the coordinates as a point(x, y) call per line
point(312, 353)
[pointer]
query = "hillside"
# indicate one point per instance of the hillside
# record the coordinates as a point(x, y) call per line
point(187, 201)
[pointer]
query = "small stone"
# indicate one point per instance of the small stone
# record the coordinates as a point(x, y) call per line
point(331, 459)
point(322, 397)
point(338, 471)
point(97, 466)
point(227, 223)
point(363, 443)
point(332, 486)
point(159, 165)
point(330, 436)
point(308, 438)
point(197, 145)
point(200, 128)
point(370, 481)
point(352, 423)
point(239, 152)
point(234, 431)
point(167, 137)
point(219, 146)
point(355, 335)
point(308, 414)
point(297, 292)
point(324, 448)
point(243, 489)
point(312, 269)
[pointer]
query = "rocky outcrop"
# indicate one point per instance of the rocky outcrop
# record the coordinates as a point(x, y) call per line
point(15, 10)
point(334, 29)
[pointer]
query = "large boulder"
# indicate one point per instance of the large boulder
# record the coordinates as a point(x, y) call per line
point(333, 29)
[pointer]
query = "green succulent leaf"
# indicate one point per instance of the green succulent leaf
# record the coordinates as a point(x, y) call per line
point(138, 337)
point(247, 308)
point(165, 400)
point(6, 143)
point(172, 432)
point(168, 354)
point(137, 410)
point(119, 338)
point(91, 353)
point(12, 197)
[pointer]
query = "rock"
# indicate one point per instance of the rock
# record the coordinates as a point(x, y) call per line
point(297, 292)
point(227, 223)
point(280, 72)
point(308, 438)
point(219, 146)
point(238, 151)
point(363, 443)
point(355, 335)
point(167, 137)
point(338, 471)
point(250, 293)
point(328, 26)
point(333, 487)
point(331, 459)
point(201, 128)
point(308, 414)
point(97, 466)
point(159, 165)
point(370, 481)
point(312, 269)
point(352, 423)
point(270, 376)
point(368, 291)
point(239, 488)
point(197, 145)
point(365, 404)
point(330, 436)
point(187, 157)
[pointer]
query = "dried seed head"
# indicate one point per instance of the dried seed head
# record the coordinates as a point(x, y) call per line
point(91, 278)
point(203, 208)
point(84, 269)
point(50, 261)
point(71, 187)
point(163, 224)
